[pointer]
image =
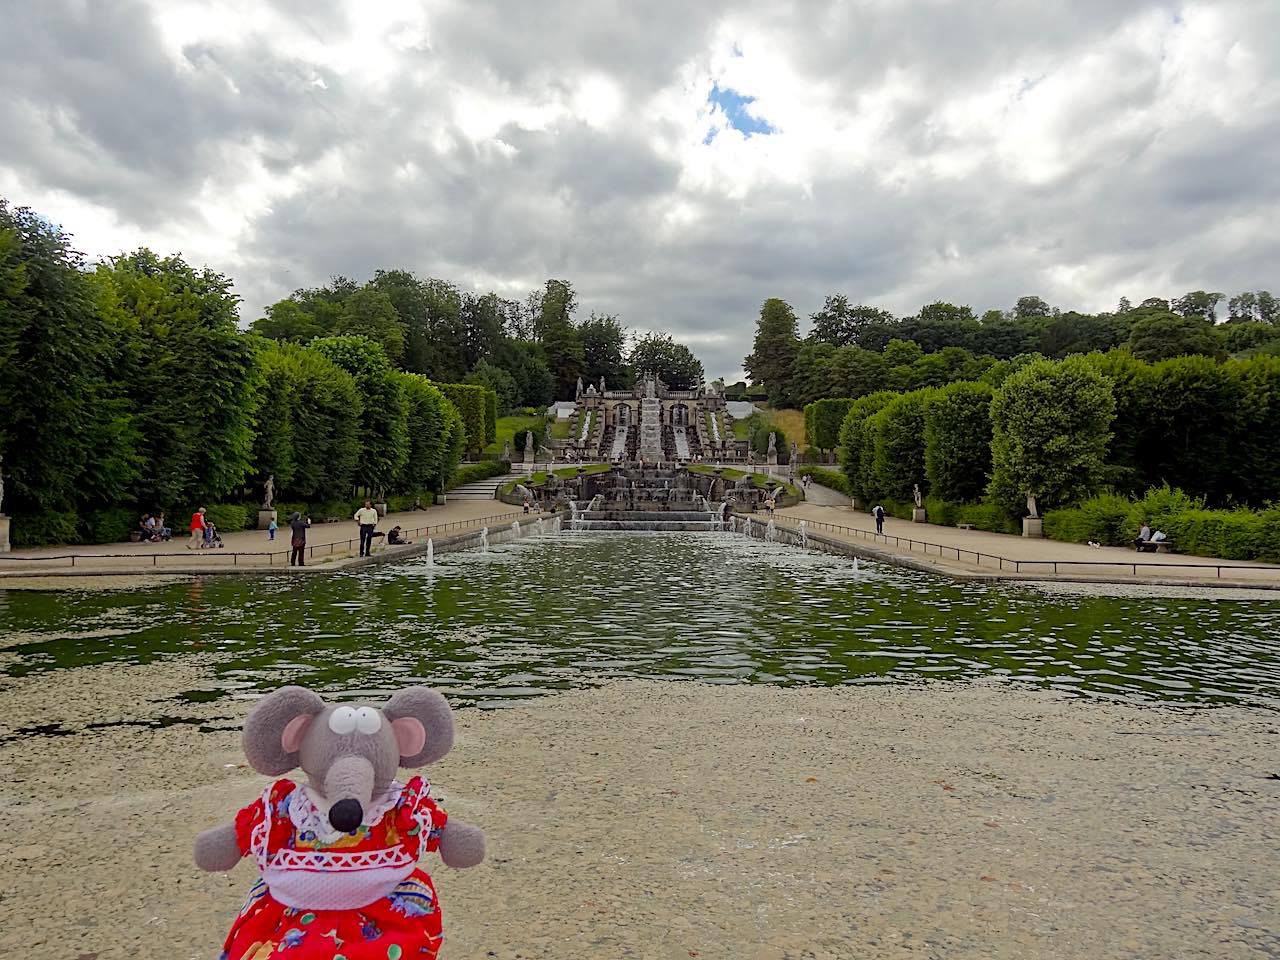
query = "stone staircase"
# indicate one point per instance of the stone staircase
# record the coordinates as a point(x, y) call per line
point(480, 490)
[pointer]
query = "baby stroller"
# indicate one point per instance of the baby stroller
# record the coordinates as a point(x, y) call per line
point(211, 536)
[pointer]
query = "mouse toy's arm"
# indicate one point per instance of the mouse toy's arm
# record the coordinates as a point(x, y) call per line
point(461, 845)
point(216, 849)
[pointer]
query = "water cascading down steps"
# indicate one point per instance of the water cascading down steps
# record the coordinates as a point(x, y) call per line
point(651, 430)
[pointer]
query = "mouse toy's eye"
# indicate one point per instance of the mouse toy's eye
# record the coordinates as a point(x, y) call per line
point(368, 720)
point(343, 721)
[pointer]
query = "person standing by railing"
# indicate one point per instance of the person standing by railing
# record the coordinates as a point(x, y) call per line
point(298, 524)
point(367, 517)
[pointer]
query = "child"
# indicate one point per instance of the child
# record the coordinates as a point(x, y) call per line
point(272, 527)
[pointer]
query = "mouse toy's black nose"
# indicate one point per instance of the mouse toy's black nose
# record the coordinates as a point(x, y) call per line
point(345, 815)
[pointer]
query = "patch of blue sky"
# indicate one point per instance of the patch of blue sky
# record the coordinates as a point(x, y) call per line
point(734, 107)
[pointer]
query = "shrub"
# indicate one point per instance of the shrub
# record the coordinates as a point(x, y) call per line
point(1107, 519)
point(405, 501)
point(230, 517)
point(822, 422)
point(828, 478)
point(1050, 424)
point(897, 437)
point(109, 525)
point(856, 448)
point(471, 472)
point(981, 516)
point(44, 528)
point(471, 401)
point(957, 441)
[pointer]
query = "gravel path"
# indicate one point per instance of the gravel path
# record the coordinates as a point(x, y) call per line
point(678, 820)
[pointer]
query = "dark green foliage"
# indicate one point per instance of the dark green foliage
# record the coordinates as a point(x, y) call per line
point(856, 450)
point(674, 363)
point(229, 517)
point(384, 437)
point(823, 420)
point(770, 364)
point(604, 345)
point(471, 402)
point(433, 419)
point(1161, 334)
point(471, 472)
point(1191, 428)
point(897, 439)
point(1050, 423)
point(1239, 534)
point(980, 516)
point(828, 478)
point(527, 364)
point(45, 527)
point(957, 434)
point(1104, 519)
point(109, 524)
point(67, 433)
point(190, 376)
point(505, 392)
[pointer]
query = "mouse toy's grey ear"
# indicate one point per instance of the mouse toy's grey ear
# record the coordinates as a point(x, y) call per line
point(274, 729)
point(423, 725)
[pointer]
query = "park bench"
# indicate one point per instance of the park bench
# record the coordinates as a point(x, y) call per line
point(1155, 546)
point(964, 526)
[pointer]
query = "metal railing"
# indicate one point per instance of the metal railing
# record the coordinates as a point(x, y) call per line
point(1010, 563)
point(235, 555)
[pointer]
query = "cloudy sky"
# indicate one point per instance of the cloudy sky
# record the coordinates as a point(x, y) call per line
point(677, 162)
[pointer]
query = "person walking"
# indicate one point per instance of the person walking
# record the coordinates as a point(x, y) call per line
point(367, 517)
point(298, 524)
point(197, 530)
point(272, 527)
point(878, 512)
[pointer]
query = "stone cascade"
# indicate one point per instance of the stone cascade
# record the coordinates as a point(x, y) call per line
point(682, 444)
point(651, 430)
point(649, 499)
point(619, 449)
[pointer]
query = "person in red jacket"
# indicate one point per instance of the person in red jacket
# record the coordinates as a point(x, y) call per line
point(197, 530)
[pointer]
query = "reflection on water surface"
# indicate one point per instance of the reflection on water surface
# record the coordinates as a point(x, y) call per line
point(549, 613)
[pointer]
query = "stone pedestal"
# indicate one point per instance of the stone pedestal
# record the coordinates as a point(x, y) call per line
point(265, 517)
point(381, 508)
point(1033, 527)
point(917, 515)
point(773, 460)
point(4, 533)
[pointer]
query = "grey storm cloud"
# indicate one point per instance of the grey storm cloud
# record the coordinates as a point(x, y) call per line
point(1080, 150)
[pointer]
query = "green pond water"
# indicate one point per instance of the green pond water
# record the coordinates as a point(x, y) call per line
point(549, 613)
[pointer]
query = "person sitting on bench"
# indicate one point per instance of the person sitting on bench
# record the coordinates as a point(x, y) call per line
point(1143, 543)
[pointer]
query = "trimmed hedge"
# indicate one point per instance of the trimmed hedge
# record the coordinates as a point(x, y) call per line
point(856, 448)
point(828, 478)
point(110, 524)
point(471, 401)
point(471, 472)
point(822, 422)
point(1240, 534)
point(44, 528)
point(227, 517)
point(981, 516)
point(957, 441)
point(897, 437)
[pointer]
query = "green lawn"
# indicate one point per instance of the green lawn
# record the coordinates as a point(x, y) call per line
point(759, 479)
point(507, 427)
point(563, 472)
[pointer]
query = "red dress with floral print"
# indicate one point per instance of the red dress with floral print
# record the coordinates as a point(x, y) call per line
point(304, 861)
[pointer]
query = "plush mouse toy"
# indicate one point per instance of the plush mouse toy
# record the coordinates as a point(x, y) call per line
point(339, 854)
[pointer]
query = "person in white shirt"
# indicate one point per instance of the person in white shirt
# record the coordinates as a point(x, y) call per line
point(367, 517)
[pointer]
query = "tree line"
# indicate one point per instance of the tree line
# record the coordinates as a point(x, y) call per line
point(528, 352)
point(853, 350)
point(1067, 430)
